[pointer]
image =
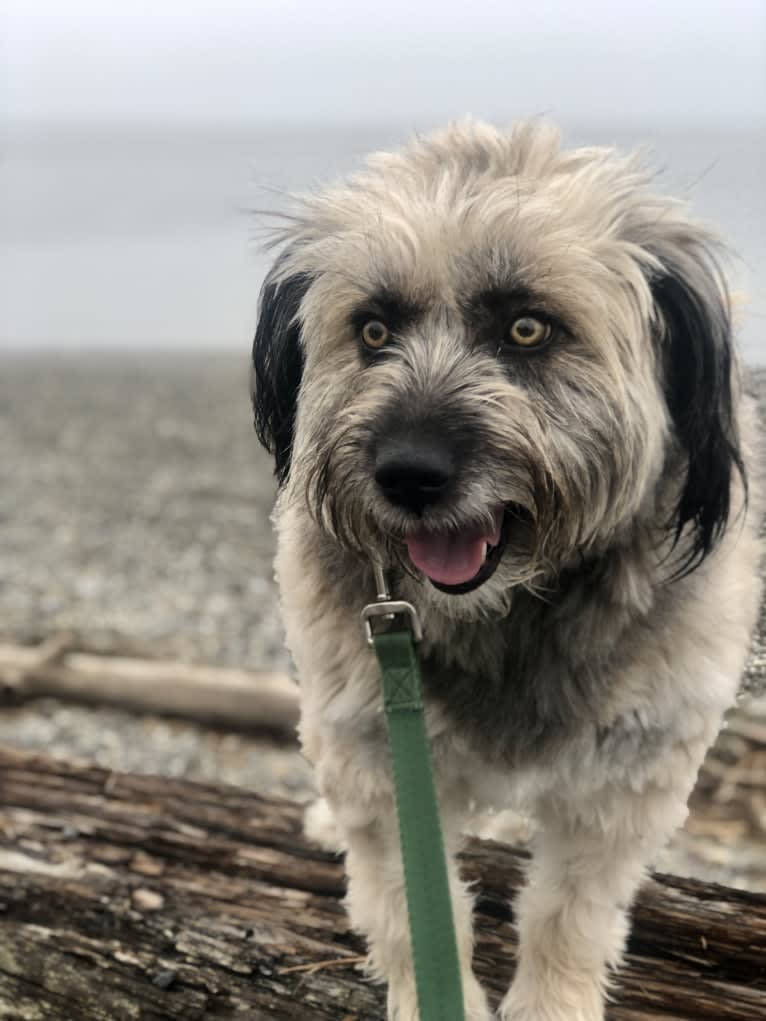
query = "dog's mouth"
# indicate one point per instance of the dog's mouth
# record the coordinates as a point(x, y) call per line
point(461, 560)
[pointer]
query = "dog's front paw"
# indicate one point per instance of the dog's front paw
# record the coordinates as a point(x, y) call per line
point(548, 1004)
point(403, 1005)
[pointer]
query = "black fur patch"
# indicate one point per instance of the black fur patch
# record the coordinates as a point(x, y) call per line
point(278, 367)
point(396, 311)
point(698, 359)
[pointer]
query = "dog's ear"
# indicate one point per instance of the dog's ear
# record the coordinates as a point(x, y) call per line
point(278, 365)
point(694, 310)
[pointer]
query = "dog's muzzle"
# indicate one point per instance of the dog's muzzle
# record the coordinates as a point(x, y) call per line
point(416, 474)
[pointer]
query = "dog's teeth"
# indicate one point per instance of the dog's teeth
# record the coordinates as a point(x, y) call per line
point(486, 551)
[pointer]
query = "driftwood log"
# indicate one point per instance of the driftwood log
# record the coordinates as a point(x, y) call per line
point(130, 897)
point(215, 696)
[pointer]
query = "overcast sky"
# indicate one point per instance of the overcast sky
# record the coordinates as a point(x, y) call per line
point(350, 59)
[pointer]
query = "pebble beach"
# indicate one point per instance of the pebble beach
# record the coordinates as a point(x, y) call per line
point(134, 509)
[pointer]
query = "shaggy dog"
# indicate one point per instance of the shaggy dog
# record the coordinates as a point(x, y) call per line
point(505, 372)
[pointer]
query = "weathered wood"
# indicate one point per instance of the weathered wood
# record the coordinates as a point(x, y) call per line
point(237, 699)
point(129, 897)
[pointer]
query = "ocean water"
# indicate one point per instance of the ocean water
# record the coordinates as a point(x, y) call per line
point(145, 237)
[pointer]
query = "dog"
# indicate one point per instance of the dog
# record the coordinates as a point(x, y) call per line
point(505, 372)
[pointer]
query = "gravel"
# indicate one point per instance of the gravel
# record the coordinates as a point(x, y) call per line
point(138, 743)
point(134, 507)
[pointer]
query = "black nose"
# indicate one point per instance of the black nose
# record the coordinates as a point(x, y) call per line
point(413, 472)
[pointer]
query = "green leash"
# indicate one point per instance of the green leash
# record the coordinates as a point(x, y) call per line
point(432, 929)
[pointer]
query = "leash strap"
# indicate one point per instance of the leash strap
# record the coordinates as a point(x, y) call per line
point(432, 929)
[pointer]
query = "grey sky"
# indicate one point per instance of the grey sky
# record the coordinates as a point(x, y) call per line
point(341, 59)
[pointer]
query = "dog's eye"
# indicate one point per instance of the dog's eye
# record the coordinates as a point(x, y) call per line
point(527, 331)
point(375, 334)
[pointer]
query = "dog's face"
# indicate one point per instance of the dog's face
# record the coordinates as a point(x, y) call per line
point(482, 357)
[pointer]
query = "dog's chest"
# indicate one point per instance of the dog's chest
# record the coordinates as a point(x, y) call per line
point(518, 688)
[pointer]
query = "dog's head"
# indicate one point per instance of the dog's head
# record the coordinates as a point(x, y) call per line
point(484, 357)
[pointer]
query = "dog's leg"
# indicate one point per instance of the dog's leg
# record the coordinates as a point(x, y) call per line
point(376, 898)
point(572, 915)
point(378, 907)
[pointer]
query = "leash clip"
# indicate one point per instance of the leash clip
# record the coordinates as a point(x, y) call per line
point(388, 609)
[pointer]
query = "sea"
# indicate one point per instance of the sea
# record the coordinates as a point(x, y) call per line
point(150, 237)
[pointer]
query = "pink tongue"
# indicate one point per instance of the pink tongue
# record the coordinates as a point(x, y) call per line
point(452, 558)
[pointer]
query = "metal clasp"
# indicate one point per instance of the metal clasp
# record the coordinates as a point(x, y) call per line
point(388, 609)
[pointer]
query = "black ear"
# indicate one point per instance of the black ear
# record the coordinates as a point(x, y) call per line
point(278, 366)
point(693, 304)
